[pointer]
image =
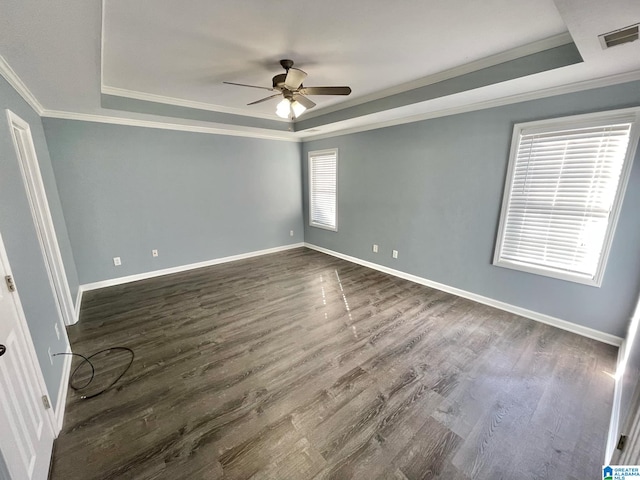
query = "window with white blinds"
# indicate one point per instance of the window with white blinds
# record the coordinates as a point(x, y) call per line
point(323, 189)
point(563, 194)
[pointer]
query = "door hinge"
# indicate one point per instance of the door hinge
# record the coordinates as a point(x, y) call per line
point(10, 283)
point(621, 442)
point(45, 402)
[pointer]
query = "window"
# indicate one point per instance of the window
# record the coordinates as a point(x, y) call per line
point(563, 193)
point(323, 189)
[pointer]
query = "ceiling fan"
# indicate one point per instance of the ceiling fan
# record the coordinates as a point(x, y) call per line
point(289, 85)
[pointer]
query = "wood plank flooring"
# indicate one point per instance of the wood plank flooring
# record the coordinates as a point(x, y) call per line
point(298, 365)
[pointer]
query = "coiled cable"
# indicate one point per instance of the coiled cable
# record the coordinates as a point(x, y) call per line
point(93, 370)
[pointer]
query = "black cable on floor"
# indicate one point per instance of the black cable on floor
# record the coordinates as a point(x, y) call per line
point(93, 370)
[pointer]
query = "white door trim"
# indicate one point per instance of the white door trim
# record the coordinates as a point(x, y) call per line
point(624, 386)
point(42, 217)
point(26, 333)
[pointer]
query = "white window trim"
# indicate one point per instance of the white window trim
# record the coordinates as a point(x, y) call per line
point(312, 154)
point(623, 115)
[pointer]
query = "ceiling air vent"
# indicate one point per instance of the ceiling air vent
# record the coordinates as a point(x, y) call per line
point(618, 37)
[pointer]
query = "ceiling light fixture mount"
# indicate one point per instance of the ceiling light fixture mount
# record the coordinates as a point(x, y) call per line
point(289, 85)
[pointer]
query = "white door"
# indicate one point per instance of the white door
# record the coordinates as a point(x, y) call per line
point(26, 440)
point(28, 161)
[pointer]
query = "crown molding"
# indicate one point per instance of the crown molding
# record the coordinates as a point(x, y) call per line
point(19, 86)
point(179, 102)
point(151, 97)
point(486, 62)
point(218, 130)
point(14, 80)
point(498, 102)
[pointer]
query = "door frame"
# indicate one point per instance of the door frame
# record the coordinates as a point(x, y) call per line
point(23, 326)
point(36, 194)
point(622, 389)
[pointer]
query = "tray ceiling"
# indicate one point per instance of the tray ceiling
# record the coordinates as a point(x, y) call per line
point(163, 62)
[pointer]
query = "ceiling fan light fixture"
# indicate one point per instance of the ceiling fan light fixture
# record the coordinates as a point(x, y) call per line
point(298, 108)
point(289, 85)
point(283, 110)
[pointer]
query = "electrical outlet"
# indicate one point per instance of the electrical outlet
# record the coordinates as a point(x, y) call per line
point(375, 248)
point(116, 261)
point(154, 253)
point(55, 325)
point(291, 233)
point(394, 254)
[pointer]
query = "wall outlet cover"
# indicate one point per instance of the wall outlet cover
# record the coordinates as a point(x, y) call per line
point(116, 261)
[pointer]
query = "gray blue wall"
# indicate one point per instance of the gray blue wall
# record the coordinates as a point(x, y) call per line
point(433, 190)
point(194, 197)
point(21, 241)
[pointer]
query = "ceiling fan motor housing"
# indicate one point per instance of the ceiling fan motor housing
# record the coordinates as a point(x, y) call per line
point(289, 84)
point(278, 81)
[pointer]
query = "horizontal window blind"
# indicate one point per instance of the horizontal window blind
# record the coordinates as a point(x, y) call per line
point(323, 188)
point(562, 189)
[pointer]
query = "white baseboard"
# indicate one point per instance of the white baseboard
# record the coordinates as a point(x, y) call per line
point(183, 268)
point(64, 385)
point(78, 305)
point(61, 402)
point(523, 312)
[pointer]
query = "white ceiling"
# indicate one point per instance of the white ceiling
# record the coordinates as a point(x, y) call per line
point(180, 52)
point(163, 48)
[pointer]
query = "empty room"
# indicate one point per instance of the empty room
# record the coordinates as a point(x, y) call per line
point(319, 240)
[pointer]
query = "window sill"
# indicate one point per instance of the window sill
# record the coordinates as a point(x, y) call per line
point(595, 281)
point(324, 227)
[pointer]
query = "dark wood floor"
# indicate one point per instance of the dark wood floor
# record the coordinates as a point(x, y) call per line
point(298, 365)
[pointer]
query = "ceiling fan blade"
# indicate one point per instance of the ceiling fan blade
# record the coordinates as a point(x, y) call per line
point(251, 86)
point(325, 90)
point(304, 101)
point(265, 99)
point(294, 78)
